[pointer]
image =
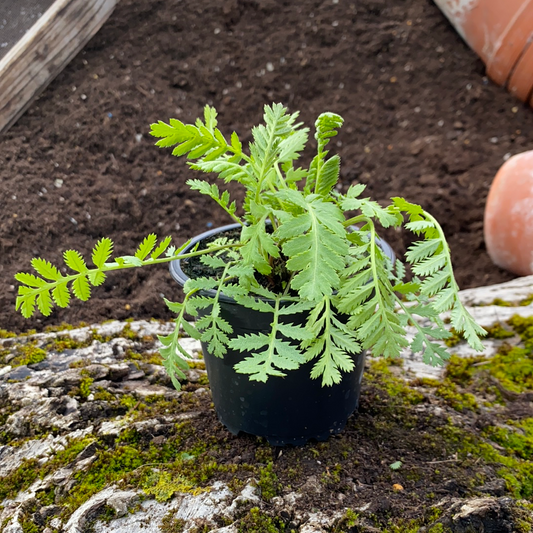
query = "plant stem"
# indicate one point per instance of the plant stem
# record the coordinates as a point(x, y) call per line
point(355, 220)
point(109, 267)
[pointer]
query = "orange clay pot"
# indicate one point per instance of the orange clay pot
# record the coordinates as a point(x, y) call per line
point(509, 216)
point(501, 32)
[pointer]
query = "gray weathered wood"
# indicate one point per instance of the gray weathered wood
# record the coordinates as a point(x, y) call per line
point(43, 52)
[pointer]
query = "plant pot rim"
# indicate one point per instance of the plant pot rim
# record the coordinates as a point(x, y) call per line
point(175, 266)
point(179, 276)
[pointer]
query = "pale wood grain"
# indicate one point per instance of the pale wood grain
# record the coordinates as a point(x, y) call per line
point(45, 50)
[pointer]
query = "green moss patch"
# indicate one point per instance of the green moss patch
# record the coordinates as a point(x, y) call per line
point(28, 354)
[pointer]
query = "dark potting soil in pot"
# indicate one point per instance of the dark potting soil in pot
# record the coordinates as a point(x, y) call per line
point(421, 121)
point(194, 268)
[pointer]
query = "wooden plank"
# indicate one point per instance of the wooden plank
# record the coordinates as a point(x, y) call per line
point(16, 18)
point(45, 50)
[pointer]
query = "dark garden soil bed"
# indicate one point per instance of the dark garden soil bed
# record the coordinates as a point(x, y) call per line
point(421, 121)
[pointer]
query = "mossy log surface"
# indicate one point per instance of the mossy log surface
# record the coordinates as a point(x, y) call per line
point(95, 438)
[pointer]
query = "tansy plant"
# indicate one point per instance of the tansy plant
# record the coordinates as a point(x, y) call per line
point(303, 247)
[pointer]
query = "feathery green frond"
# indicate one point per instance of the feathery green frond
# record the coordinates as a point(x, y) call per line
point(258, 245)
point(254, 303)
point(61, 295)
point(161, 248)
point(215, 331)
point(212, 191)
point(75, 261)
point(387, 217)
point(315, 245)
point(270, 354)
point(323, 174)
point(44, 303)
point(300, 237)
point(198, 140)
point(328, 176)
point(81, 288)
point(96, 277)
point(278, 355)
point(146, 247)
point(464, 324)
point(227, 168)
point(25, 302)
point(430, 259)
point(30, 279)
point(332, 342)
point(45, 269)
point(326, 127)
point(172, 354)
point(102, 252)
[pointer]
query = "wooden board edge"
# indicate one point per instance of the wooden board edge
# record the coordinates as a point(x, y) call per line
point(30, 66)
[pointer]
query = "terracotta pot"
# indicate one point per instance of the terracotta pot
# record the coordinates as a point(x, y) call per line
point(509, 216)
point(501, 32)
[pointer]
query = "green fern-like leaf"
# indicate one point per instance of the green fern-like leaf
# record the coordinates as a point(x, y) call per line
point(199, 284)
point(326, 127)
point(227, 168)
point(290, 147)
point(254, 303)
point(172, 354)
point(96, 277)
point(102, 252)
point(161, 248)
point(369, 301)
point(323, 174)
point(213, 192)
point(81, 288)
point(316, 255)
point(44, 303)
point(30, 279)
point(268, 138)
point(61, 295)
point(25, 301)
point(215, 331)
point(421, 250)
point(464, 324)
point(332, 342)
point(328, 176)
point(210, 118)
point(129, 260)
point(290, 308)
point(75, 261)
point(435, 283)
point(387, 217)
point(199, 140)
point(170, 134)
point(430, 259)
point(146, 247)
point(270, 355)
point(258, 245)
point(277, 356)
point(177, 307)
point(45, 269)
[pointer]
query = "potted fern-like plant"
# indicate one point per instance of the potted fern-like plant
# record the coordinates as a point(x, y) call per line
point(289, 298)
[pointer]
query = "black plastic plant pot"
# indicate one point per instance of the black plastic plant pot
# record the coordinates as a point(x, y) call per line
point(284, 410)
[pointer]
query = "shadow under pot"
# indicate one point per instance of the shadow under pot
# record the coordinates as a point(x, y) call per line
point(284, 410)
